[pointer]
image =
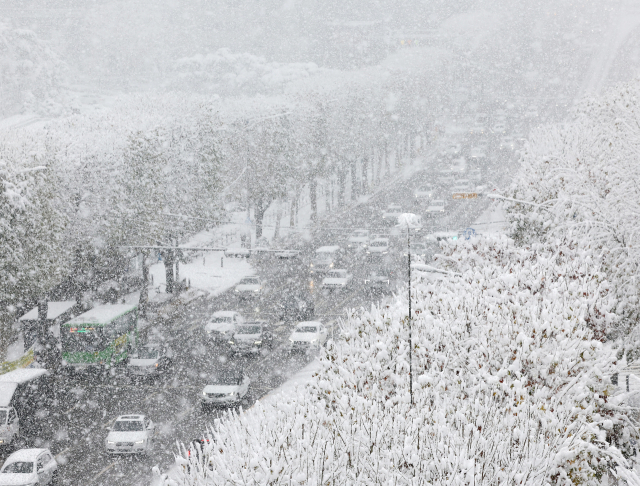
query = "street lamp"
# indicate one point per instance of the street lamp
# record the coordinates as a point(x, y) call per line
point(409, 221)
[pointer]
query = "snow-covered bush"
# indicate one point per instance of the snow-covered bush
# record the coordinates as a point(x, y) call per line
point(510, 387)
point(579, 181)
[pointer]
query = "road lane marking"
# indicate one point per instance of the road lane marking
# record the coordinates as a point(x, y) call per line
point(74, 406)
point(102, 472)
point(62, 452)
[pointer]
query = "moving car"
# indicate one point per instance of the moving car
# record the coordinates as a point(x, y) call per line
point(325, 259)
point(250, 286)
point(222, 325)
point(130, 434)
point(379, 246)
point(436, 208)
point(424, 192)
point(391, 214)
point(296, 307)
point(336, 279)
point(380, 280)
point(150, 360)
point(307, 336)
point(358, 239)
point(225, 389)
point(9, 425)
point(29, 467)
point(446, 178)
point(251, 337)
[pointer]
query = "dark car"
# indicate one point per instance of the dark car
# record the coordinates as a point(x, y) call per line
point(251, 337)
point(296, 308)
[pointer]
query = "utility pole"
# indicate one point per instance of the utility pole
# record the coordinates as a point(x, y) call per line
point(410, 346)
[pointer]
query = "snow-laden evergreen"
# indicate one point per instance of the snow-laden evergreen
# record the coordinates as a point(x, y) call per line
point(511, 386)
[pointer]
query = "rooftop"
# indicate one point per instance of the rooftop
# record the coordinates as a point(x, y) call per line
point(102, 314)
point(54, 310)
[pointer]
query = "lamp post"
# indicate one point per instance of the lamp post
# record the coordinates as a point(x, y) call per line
point(409, 221)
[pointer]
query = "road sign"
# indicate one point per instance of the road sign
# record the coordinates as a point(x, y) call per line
point(465, 195)
point(468, 233)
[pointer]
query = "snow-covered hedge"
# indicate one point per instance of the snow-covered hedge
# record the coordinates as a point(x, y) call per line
point(510, 387)
point(580, 181)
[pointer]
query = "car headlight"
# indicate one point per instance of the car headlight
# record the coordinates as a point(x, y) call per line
point(331, 266)
point(258, 342)
point(257, 290)
point(311, 265)
point(139, 442)
point(231, 394)
point(231, 342)
point(204, 393)
point(314, 341)
point(237, 290)
point(290, 340)
point(110, 442)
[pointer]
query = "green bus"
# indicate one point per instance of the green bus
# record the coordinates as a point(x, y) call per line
point(101, 337)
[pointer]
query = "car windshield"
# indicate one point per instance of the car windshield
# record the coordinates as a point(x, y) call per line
point(438, 203)
point(83, 339)
point(307, 329)
point(148, 353)
point(379, 243)
point(221, 319)
point(249, 281)
point(226, 380)
point(128, 426)
point(336, 274)
point(18, 468)
point(249, 330)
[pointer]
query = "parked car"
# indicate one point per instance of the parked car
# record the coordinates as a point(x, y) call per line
point(307, 336)
point(222, 325)
point(336, 279)
point(378, 247)
point(251, 286)
point(358, 239)
point(29, 467)
point(251, 337)
point(130, 434)
point(436, 208)
point(150, 360)
point(390, 215)
point(224, 389)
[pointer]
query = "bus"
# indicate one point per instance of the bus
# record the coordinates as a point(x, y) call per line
point(100, 338)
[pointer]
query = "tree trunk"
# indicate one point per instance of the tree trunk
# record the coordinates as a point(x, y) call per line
point(292, 221)
point(144, 290)
point(276, 231)
point(259, 217)
point(168, 258)
point(313, 188)
point(354, 180)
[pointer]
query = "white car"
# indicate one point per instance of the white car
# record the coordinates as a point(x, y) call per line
point(426, 191)
point(249, 286)
point(130, 434)
point(222, 325)
point(336, 279)
point(150, 360)
point(436, 208)
point(358, 239)
point(308, 335)
point(226, 389)
point(379, 246)
point(29, 467)
point(9, 425)
point(325, 258)
point(446, 178)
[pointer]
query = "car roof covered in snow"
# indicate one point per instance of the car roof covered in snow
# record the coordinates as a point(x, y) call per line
point(24, 455)
point(309, 323)
point(224, 314)
point(327, 249)
point(102, 314)
point(54, 310)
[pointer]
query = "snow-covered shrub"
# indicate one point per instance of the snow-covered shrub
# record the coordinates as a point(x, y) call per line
point(579, 181)
point(510, 387)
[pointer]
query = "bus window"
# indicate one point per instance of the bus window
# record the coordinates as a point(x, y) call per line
point(82, 339)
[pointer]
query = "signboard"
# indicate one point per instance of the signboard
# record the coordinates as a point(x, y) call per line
point(468, 233)
point(465, 195)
